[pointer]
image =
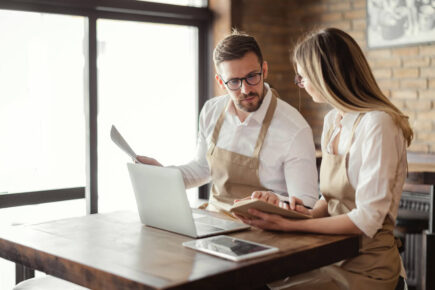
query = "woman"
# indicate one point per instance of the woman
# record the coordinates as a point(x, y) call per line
point(363, 165)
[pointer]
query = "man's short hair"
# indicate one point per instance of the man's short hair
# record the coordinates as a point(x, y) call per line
point(235, 46)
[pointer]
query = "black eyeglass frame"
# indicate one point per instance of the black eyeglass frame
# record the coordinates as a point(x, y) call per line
point(240, 80)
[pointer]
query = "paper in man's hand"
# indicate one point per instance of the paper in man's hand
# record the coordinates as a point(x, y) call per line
point(120, 141)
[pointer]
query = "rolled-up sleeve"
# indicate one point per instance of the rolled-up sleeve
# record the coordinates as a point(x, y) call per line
point(380, 158)
point(300, 168)
point(197, 172)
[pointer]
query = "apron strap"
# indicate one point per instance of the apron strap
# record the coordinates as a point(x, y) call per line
point(266, 123)
point(218, 127)
point(263, 131)
point(358, 119)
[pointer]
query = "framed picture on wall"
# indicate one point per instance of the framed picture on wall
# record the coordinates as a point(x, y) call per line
point(400, 22)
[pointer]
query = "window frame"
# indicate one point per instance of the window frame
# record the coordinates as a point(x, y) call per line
point(116, 10)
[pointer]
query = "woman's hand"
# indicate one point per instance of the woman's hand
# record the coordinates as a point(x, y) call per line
point(268, 221)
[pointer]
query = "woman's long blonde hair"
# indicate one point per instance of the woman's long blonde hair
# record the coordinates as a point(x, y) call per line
point(337, 68)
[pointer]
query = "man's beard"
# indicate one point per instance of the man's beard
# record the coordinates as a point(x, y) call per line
point(250, 108)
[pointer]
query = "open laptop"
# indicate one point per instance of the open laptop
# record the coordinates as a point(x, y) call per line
point(162, 203)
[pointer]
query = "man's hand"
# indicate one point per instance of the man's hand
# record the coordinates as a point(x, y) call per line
point(148, 160)
point(267, 196)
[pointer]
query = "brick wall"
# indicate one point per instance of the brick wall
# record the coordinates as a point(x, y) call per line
point(405, 74)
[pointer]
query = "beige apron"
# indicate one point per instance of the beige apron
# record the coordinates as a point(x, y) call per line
point(378, 265)
point(235, 176)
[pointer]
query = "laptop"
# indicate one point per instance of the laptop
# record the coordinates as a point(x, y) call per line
point(162, 203)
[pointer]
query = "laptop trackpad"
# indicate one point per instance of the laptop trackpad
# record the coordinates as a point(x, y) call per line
point(205, 228)
point(216, 222)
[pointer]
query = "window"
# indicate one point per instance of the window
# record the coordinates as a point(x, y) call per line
point(57, 102)
point(42, 120)
point(148, 90)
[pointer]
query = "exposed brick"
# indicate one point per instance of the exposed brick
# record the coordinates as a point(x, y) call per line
point(382, 73)
point(430, 115)
point(330, 17)
point(343, 25)
point(426, 137)
point(363, 44)
point(427, 50)
point(359, 4)
point(379, 53)
point(359, 24)
point(388, 84)
point(413, 84)
point(410, 114)
point(405, 73)
point(416, 62)
point(355, 14)
point(386, 92)
point(339, 6)
point(422, 125)
point(407, 95)
point(387, 62)
point(358, 35)
point(398, 103)
point(419, 105)
point(405, 51)
point(426, 94)
point(295, 12)
point(428, 72)
point(419, 147)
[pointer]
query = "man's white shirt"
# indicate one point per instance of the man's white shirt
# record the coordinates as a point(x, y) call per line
point(287, 158)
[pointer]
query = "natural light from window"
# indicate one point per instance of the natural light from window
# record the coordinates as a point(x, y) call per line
point(148, 90)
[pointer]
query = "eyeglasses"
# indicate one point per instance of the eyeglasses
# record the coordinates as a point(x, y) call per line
point(236, 83)
point(299, 81)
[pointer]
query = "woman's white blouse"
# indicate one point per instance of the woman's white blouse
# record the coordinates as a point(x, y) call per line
point(376, 168)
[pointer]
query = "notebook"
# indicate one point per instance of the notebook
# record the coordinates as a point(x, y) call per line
point(162, 203)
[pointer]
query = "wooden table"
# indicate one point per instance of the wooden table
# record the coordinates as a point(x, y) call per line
point(115, 251)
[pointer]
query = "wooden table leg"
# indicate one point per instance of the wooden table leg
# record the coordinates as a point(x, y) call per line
point(23, 273)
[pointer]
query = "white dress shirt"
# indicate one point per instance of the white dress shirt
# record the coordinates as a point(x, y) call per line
point(376, 167)
point(287, 158)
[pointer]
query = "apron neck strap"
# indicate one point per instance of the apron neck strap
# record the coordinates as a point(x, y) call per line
point(266, 123)
point(358, 119)
point(218, 125)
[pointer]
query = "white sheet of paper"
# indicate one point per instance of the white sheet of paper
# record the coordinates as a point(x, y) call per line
point(120, 141)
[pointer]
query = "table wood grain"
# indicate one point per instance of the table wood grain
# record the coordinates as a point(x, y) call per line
point(116, 251)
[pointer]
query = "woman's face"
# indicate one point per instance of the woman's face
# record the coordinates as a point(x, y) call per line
point(306, 84)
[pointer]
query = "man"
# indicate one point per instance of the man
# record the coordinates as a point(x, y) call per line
point(249, 140)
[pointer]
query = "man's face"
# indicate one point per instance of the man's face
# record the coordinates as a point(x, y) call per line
point(247, 98)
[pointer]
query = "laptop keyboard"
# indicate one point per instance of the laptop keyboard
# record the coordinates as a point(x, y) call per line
point(205, 229)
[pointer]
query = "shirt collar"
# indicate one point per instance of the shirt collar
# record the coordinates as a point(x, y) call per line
point(349, 119)
point(257, 116)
